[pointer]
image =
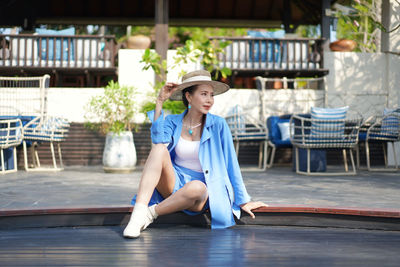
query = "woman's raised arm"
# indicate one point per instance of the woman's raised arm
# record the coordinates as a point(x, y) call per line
point(165, 92)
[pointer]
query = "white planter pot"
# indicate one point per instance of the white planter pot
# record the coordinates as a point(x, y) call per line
point(119, 153)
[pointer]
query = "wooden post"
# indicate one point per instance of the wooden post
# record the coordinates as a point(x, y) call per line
point(325, 24)
point(161, 21)
point(287, 16)
point(385, 20)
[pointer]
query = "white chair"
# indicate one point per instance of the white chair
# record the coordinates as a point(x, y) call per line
point(26, 99)
point(39, 130)
point(323, 134)
point(245, 128)
point(11, 135)
point(385, 130)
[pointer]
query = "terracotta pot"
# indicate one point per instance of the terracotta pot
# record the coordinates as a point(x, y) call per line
point(343, 45)
point(138, 42)
point(238, 82)
point(277, 84)
point(250, 82)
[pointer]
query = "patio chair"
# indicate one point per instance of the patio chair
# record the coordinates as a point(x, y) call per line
point(26, 99)
point(39, 130)
point(324, 131)
point(384, 130)
point(246, 128)
point(278, 135)
point(11, 134)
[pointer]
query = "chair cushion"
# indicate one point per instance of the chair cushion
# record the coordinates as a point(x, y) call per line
point(390, 123)
point(274, 132)
point(331, 124)
point(362, 136)
point(282, 143)
point(50, 129)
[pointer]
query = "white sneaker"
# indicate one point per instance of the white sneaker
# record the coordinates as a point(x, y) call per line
point(141, 217)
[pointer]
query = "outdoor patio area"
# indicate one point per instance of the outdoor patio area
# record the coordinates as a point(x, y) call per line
point(306, 110)
point(85, 187)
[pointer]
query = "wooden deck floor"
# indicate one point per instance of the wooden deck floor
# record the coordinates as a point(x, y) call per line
point(193, 246)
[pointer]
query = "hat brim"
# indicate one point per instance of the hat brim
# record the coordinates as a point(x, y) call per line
point(219, 88)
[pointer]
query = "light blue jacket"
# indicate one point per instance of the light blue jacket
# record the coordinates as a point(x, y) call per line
point(226, 190)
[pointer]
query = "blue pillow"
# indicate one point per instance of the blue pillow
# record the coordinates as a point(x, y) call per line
point(272, 45)
point(333, 121)
point(65, 52)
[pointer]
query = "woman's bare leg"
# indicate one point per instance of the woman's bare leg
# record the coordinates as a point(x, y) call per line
point(158, 173)
point(193, 196)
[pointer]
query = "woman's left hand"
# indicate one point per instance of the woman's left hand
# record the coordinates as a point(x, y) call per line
point(249, 206)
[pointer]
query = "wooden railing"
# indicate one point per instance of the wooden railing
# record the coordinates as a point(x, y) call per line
point(266, 54)
point(57, 51)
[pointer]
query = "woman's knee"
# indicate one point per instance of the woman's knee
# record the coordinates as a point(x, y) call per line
point(159, 148)
point(196, 190)
point(159, 151)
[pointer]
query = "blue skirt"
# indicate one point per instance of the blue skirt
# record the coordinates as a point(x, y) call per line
point(182, 176)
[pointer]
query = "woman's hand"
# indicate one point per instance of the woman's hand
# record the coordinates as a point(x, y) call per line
point(249, 206)
point(166, 91)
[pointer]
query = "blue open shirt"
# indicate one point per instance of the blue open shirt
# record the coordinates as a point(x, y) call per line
point(226, 190)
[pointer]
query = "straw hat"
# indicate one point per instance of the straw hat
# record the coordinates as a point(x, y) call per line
point(198, 77)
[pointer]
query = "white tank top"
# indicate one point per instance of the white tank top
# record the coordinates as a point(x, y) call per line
point(187, 154)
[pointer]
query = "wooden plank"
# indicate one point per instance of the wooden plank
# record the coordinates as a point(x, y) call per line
point(184, 246)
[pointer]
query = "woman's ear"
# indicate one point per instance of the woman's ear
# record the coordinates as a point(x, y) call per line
point(188, 97)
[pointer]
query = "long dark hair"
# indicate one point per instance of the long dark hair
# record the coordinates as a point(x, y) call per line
point(190, 90)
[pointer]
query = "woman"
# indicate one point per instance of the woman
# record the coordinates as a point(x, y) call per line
point(198, 170)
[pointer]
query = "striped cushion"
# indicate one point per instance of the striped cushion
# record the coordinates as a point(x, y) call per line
point(390, 123)
point(328, 121)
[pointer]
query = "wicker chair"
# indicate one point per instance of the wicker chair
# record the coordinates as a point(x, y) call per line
point(312, 134)
point(48, 129)
point(26, 98)
point(384, 130)
point(246, 128)
point(11, 135)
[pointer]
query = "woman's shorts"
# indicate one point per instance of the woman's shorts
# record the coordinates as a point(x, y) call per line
point(182, 176)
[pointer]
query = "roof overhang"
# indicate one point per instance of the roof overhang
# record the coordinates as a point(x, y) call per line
point(215, 13)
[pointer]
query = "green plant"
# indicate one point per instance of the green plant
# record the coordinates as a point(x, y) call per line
point(362, 24)
point(206, 51)
point(115, 109)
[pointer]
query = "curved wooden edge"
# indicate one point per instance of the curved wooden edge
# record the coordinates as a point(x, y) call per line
point(55, 211)
point(386, 213)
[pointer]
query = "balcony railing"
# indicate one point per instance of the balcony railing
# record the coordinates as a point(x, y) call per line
point(263, 55)
point(57, 51)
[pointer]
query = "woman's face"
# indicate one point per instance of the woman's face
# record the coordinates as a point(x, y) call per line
point(202, 98)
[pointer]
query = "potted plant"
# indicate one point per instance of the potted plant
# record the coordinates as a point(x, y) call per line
point(115, 110)
point(359, 26)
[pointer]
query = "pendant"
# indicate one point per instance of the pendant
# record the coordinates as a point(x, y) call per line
point(190, 131)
